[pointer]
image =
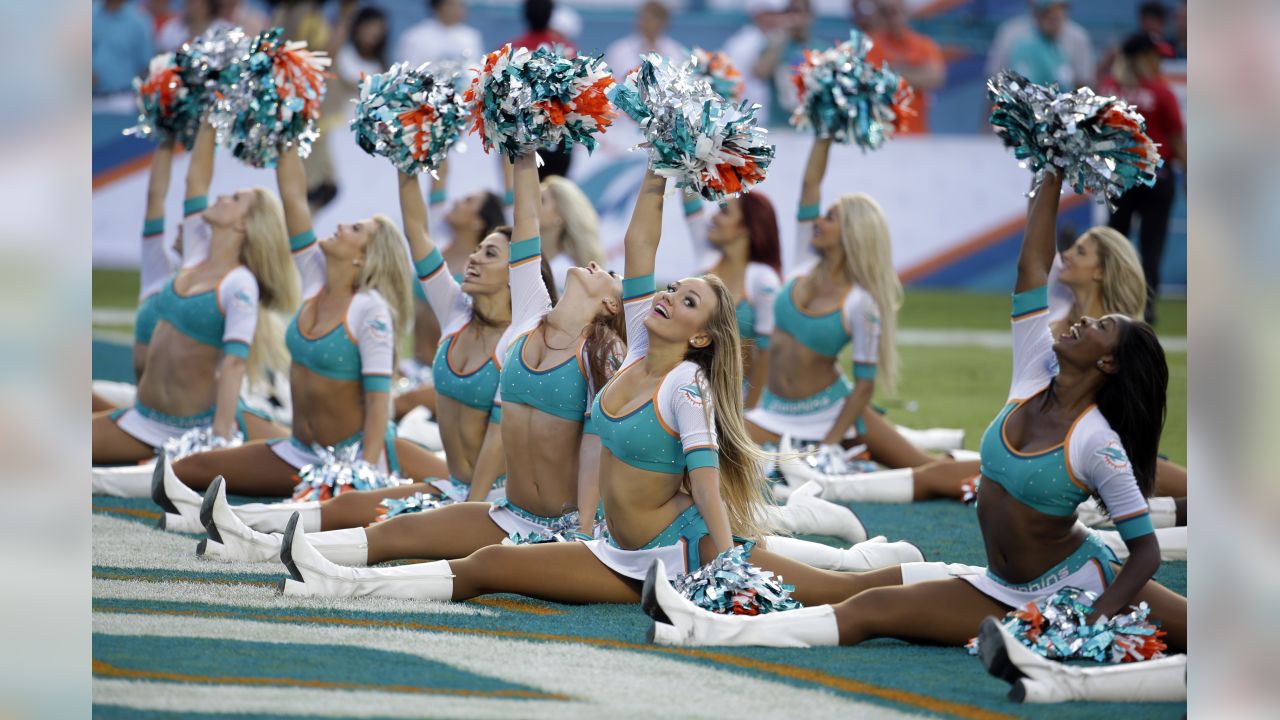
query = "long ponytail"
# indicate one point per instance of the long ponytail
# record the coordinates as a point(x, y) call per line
point(868, 254)
point(266, 253)
point(1133, 400)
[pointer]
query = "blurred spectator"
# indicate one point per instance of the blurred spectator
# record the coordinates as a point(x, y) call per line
point(746, 45)
point(916, 57)
point(1180, 31)
point(122, 46)
point(305, 20)
point(243, 15)
point(1137, 79)
point(441, 38)
point(784, 52)
point(650, 36)
point(365, 49)
point(566, 21)
point(1044, 45)
point(538, 33)
point(865, 15)
point(160, 12)
point(197, 17)
point(1153, 19)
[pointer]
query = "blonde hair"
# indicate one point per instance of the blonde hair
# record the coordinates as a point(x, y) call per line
point(742, 484)
point(386, 269)
point(581, 236)
point(1124, 287)
point(266, 253)
point(868, 256)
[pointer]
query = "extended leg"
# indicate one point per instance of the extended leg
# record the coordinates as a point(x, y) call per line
point(113, 445)
point(560, 572)
point(813, 585)
point(942, 612)
point(447, 533)
point(251, 469)
point(1171, 479)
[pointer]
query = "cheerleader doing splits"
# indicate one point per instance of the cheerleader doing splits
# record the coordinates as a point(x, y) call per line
point(213, 323)
point(1083, 418)
point(678, 475)
point(342, 342)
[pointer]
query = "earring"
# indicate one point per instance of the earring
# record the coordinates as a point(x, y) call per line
point(1099, 364)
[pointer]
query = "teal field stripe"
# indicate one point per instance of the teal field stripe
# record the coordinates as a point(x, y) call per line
point(116, 712)
point(158, 575)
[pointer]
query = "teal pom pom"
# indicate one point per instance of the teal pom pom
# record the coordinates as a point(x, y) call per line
point(708, 144)
point(1099, 143)
point(168, 110)
point(274, 101)
point(415, 503)
point(731, 585)
point(847, 99)
point(523, 101)
point(341, 470)
point(409, 116)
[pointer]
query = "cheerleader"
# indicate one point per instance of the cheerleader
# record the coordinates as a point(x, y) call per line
point(848, 295)
point(343, 345)
point(678, 475)
point(476, 315)
point(1083, 418)
point(214, 323)
point(570, 228)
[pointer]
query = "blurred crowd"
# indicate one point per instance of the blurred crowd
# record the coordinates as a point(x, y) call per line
point(1043, 44)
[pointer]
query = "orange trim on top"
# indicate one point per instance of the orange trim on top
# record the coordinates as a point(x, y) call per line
point(658, 413)
point(791, 295)
point(448, 354)
point(526, 261)
point(981, 242)
point(1130, 516)
point(1102, 576)
point(1066, 452)
point(1030, 314)
point(605, 389)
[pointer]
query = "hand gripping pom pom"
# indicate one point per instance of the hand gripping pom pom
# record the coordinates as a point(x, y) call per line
point(718, 70)
point(198, 440)
point(523, 101)
point(1099, 143)
point(273, 102)
point(847, 99)
point(709, 145)
point(341, 470)
point(416, 503)
point(731, 585)
point(410, 116)
point(1056, 627)
point(168, 110)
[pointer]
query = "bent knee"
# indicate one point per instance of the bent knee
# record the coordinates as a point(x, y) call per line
point(195, 471)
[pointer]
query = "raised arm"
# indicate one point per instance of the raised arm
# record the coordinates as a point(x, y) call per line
point(307, 256)
point(200, 170)
point(1039, 242)
point(814, 171)
point(529, 296)
point(154, 267)
point(444, 295)
point(696, 220)
point(413, 216)
point(645, 230)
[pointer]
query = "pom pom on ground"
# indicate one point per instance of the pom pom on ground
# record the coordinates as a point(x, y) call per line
point(415, 503)
point(709, 145)
point(167, 109)
point(719, 72)
point(341, 470)
point(410, 116)
point(274, 102)
point(1099, 143)
point(523, 101)
point(847, 99)
point(198, 440)
point(1057, 628)
point(731, 585)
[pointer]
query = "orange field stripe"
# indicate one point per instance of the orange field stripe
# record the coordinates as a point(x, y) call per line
point(816, 677)
point(103, 669)
point(136, 512)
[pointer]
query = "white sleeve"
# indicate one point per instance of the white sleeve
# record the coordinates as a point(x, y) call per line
point(1060, 296)
point(684, 406)
point(803, 253)
point(762, 289)
point(861, 317)
point(451, 306)
point(154, 270)
point(308, 258)
point(238, 300)
point(529, 296)
point(637, 298)
point(1097, 454)
point(196, 235)
point(696, 220)
point(1034, 363)
point(369, 322)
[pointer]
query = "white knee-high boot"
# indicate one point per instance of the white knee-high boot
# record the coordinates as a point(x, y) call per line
point(181, 504)
point(313, 574)
point(917, 572)
point(1037, 679)
point(1164, 513)
point(417, 425)
point(887, 486)
point(230, 539)
point(129, 481)
point(679, 622)
point(807, 514)
point(871, 554)
point(272, 517)
point(1173, 543)
point(940, 439)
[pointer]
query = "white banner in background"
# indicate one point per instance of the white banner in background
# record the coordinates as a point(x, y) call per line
point(938, 192)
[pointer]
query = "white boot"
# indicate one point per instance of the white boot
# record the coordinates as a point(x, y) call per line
point(416, 425)
point(1173, 543)
point(313, 574)
point(884, 486)
point(807, 514)
point(272, 517)
point(962, 455)
point(939, 439)
point(1039, 680)
point(128, 481)
point(871, 554)
point(794, 470)
point(1164, 513)
point(230, 539)
point(181, 504)
point(917, 572)
point(679, 622)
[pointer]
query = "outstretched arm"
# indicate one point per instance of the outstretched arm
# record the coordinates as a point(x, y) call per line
point(200, 170)
point(528, 196)
point(1039, 243)
point(645, 230)
point(814, 172)
point(291, 178)
point(413, 215)
point(154, 268)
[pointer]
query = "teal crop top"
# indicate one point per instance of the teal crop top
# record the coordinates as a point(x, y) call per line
point(474, 389)
point(333, 355)
point(144, 323)
point(824, 334)
point(1039, 480)
point(224, 317)
point(641, 440)
point(561, 391)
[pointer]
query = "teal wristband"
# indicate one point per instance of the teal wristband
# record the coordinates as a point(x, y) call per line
point(637, 287)
point(429, 265)
point(237, 348)
point(153, 227)
point(376, 383)
point(809, 212)
point(193, 205)
point(438, 196)
point(302, 240)
point(522, 250)
point(1029, 302)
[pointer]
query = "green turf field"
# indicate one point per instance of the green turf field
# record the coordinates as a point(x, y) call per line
point(176, 636)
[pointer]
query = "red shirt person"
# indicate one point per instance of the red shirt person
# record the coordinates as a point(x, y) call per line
point(914, 56)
